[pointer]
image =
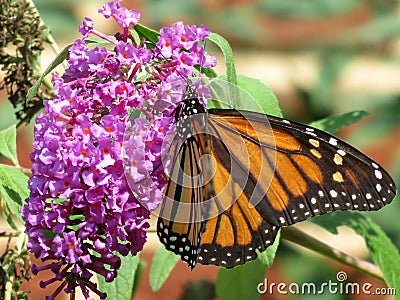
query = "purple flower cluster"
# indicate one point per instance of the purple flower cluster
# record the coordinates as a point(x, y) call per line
point(81, 210)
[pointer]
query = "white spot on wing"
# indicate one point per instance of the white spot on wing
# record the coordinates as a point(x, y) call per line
point(378, 174)
point(333, 141)
point(333, 193)
point(311, 133)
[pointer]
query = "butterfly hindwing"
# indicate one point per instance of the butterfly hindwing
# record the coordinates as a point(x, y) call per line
point(182, 213)
point(236, 229)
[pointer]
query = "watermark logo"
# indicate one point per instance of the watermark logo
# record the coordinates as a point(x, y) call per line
point(340, 286)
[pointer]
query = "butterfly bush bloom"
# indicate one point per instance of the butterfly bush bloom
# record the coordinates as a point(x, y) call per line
point(82, 210)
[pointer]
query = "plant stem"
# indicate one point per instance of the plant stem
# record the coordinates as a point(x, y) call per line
point(9, 233)
point(26, 171)
point(301, 238)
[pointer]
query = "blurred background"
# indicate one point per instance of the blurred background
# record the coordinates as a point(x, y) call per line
point(320, 57)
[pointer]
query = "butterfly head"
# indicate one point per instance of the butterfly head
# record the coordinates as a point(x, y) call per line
point(190, 92)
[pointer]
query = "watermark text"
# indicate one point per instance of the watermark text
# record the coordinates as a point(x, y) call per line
point(340, 285)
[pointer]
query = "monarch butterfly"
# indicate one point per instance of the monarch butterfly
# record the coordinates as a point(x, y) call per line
point(261, 173)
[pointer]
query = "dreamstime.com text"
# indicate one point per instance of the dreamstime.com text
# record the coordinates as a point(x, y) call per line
point(338, 286)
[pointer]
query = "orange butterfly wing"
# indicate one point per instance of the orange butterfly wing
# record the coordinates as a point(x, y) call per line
point(262, 173)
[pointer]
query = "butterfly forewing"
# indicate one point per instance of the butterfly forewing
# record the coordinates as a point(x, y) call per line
point(314, 172)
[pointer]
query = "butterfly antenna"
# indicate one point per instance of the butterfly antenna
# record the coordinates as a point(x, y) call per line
point(159, 52)
point(202, 58)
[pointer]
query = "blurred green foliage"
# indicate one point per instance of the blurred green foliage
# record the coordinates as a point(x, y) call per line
point(307, 8)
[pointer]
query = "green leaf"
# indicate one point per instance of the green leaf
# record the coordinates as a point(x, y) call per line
point(8, 144)
point(58, 60)
point(266, 100)
point(208, 72)
point(123, 286)
point(337, 122)
point(147, 33)
point(267, 257)
point(138, 275)
point(96, 41)
point(383, 252)
point(13, 189)
point(163, 263)
point(240, 282)
point(228, 55)
point(7, 214)
point(136, 37)
point(249, 94)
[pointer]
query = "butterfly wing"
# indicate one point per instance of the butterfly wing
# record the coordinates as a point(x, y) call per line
point(314, 173)
point(261, 173)
point(292, 172)
point(182, 213)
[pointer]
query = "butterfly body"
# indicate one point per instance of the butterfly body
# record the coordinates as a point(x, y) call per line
point(248, 174)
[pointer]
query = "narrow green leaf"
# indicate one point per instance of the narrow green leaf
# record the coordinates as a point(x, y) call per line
point(337, 122)
point(95, 41)
point(13, 189)
point(123, 286)
point(267, 257)
point(228, 55)
point(240, 282)
point(8, 144)
point(384, 254)
point(147, 33)
point(136, 37)
point(20, 245)
point(58, 60)
point(163, 263)
point(7, 214)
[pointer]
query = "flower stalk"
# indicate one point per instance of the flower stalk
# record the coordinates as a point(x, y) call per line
point(299, 237)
